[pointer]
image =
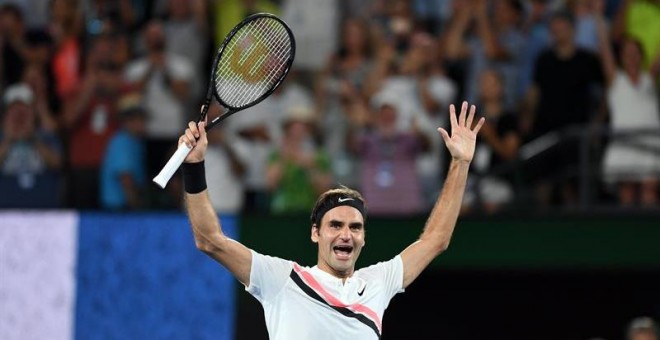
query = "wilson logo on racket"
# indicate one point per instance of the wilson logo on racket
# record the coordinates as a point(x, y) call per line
point(248, 60)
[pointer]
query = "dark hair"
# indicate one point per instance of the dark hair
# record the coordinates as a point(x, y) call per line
point(342, 50)
point(108, 65)
point(13, 9)
point(517, 6)
point(619, 45)
point(326, 201)
point(563, 14)
point(38, 37)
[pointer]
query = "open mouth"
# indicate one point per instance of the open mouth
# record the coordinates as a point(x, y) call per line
point(343, 251)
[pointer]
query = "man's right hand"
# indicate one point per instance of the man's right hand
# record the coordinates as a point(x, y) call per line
point(195, 138)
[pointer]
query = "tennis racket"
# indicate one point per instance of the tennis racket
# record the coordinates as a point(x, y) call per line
point(251, 63)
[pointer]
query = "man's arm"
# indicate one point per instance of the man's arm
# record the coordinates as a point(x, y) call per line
point(204, 221)
point(440, 225)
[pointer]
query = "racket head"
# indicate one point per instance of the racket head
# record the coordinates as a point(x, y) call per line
point(253, 60)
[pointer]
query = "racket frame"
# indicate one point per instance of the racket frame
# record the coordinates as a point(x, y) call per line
point(212, 91)
point(183, 150)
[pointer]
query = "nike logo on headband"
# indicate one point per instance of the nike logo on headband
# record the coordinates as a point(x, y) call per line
point(344, 199)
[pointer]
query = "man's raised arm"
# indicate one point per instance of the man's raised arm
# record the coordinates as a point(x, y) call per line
point(204, 221)
point(440, 225)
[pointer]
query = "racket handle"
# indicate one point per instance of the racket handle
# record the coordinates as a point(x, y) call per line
point(172, 165)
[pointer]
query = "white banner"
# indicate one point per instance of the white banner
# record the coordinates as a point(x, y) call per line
point(37, 275)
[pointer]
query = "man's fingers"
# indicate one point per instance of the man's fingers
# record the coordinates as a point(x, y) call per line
point(470, 117)
point(184, 139)
point(192, 126)
point(480, 123)
point(452, 117)
point(191, 138)
point(202, 129)
point(461, 117)
point(445, 135)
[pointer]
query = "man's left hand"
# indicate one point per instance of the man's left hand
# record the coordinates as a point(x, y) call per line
point(461, 143)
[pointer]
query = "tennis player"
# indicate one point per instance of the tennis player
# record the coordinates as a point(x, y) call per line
point(331, 300)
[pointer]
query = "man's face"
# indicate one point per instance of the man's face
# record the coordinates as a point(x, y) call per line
point(154, 37)
point(631, 55)
point(19, 120)
point(561, 31)
point(643, 335)
point(340, 239)
point(9, 23)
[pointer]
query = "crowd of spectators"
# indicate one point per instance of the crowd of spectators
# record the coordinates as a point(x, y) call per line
point(96, 92)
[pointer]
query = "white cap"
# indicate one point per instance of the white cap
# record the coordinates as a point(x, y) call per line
point(18, 92)
point(300, 113)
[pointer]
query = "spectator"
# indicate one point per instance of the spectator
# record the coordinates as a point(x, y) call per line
point(254, 144)
point(123, 174)
point(38, 10)
point(38, 72)
point(226, 170)
point(107, 47)
point(389, 178)
point(227, 13)
point(396, 23)
point(314, 23)
point(642, 328)
point(39, 85)
point(631, 162)
point(587, 13)
point(435, 90)
point(66, 28)
point(164, 80)
point(102, 15)
point(30, 157)
point(556, 102)
point(346, 70)
point(492, 187)
point(537, 39)
point(433, 13)
point(299, 171)
point(417, 87)
point(12, 44)
point(89, 123)
point(640, 19)
point(364, 9)
point(489, 38)
point(255, 133)
point(340, 90)
point(186, 30)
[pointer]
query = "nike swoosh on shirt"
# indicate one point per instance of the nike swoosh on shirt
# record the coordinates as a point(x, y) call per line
point(344, 199)
point(362, 291)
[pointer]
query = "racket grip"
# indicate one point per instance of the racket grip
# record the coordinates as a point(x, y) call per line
point(172, 165)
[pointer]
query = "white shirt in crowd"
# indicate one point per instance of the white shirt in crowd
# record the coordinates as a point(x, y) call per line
point(226, 190)
point(167, 114)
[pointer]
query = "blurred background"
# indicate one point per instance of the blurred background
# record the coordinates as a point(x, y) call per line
point(558, 238)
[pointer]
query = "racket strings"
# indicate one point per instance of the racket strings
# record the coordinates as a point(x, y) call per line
point(253, 62)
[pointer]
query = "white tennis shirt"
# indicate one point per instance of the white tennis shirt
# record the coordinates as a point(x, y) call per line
point(308, 303)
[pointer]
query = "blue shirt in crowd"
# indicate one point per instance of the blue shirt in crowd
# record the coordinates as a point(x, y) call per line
point(25, 179)
point(124, 155)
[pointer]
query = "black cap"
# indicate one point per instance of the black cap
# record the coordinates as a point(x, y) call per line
point(38, 37)
point(130, 106)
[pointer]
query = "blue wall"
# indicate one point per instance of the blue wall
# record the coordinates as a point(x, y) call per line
point(140, 276)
